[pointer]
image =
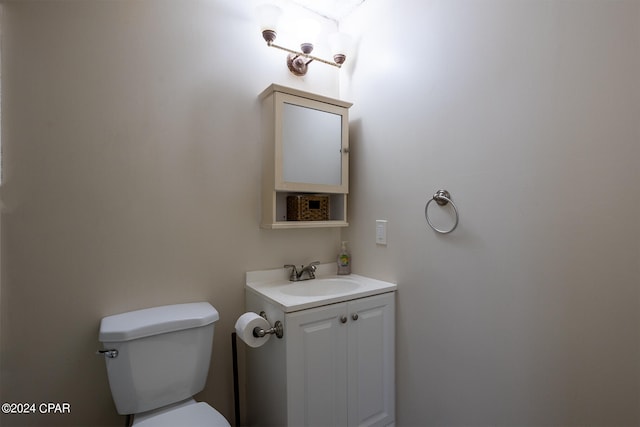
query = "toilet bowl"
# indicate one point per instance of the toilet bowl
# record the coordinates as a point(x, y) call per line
point(157, 359)
point(188, 413)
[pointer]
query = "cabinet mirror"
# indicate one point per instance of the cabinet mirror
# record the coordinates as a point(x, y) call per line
point(311, 145)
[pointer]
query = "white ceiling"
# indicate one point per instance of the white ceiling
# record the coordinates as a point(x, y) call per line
point(332, 9)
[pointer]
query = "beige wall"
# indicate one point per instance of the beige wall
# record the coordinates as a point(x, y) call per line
point(132, 172)
point(528, 112)
point(131, 155)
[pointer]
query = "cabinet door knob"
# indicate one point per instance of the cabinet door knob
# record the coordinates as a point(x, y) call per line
point(354, 316)
point(343, 319)
point(345, 150)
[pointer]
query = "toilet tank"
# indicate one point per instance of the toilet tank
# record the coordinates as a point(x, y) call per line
point(163, 354)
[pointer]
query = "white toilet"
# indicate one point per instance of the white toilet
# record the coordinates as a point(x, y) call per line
point(157, 359)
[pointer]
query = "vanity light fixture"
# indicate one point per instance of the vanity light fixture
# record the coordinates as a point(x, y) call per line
point(298, 61)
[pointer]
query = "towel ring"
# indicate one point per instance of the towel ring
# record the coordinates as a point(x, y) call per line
point(442, 198)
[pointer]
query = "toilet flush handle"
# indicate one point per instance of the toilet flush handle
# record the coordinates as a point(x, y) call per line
point(111, 353)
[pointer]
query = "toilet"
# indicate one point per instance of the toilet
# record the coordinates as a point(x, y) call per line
point(157, 359)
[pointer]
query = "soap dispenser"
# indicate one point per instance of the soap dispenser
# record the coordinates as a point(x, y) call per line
point(344, 260)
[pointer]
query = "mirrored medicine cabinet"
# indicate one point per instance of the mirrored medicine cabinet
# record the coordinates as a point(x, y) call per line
point(306, 154)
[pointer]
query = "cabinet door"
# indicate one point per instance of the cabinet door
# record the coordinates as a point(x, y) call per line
point(311, 145)
point(317, 367)
point(371, 361)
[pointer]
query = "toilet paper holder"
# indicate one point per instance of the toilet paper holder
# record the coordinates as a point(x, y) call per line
point(276, 329)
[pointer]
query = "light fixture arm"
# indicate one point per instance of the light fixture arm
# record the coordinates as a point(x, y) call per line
point(298, 53)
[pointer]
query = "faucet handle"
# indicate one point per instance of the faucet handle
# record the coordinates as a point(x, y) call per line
point(311, 269)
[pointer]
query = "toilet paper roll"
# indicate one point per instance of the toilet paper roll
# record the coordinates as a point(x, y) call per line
point(245, 326)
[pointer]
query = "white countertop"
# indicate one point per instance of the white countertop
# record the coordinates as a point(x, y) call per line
point(274, 285)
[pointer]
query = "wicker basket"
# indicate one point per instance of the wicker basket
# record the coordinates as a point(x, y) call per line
point(308, 207)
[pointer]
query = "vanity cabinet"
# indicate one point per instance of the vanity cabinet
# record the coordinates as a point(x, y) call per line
point(333, 367)
point(306, 152)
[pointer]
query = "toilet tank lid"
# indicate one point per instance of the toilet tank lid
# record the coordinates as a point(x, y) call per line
point(156, 320)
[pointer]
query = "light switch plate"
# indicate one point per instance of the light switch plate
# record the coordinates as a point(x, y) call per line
point(381, 231)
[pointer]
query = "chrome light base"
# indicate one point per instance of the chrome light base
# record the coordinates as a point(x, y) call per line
point(297, 64)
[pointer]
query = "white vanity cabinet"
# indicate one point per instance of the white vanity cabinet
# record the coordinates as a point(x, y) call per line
point(306, 152)
point(333, 367)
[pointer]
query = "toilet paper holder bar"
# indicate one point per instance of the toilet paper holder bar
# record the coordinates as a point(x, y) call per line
point(276, 329)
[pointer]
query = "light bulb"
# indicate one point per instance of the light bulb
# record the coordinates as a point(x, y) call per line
point(340, 44)
point(268, 16)
point(307, 31)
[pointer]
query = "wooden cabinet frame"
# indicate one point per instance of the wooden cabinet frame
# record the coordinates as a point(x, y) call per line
point(274, 187)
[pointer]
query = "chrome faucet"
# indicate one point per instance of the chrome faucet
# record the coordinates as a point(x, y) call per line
point(296, 275)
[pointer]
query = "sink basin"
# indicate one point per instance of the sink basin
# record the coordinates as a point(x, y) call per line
point(320, 287)
point(327, 288)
